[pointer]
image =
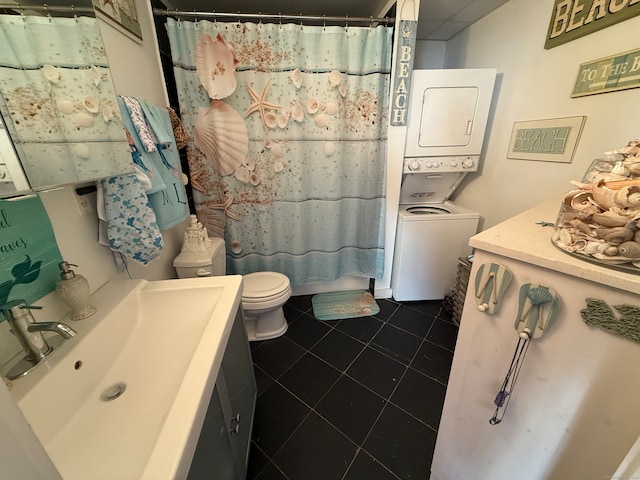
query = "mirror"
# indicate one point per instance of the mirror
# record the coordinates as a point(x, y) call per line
point(12, 179)
point(57, 99)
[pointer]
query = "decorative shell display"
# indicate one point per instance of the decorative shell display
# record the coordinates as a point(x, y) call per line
point(601, 219)
point(331, 108)
point(297, 113)
point(270, 119)
point(91, 104)
point(221, 134)
point(242, 173)
point(335, 78)
point(296, 78)
point(322, 120)
point(65, 106)
point(216, 66)
point(51, 73)
point(312, 105)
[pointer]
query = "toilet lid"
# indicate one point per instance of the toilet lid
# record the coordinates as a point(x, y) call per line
point(263, 285)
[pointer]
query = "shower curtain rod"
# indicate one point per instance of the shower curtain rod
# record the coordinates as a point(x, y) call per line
point(46, 8)
point(271, 16)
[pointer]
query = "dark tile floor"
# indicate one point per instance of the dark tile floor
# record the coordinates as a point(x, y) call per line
point(351, 399)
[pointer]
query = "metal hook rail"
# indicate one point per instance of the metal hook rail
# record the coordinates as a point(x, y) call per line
point(276, 17)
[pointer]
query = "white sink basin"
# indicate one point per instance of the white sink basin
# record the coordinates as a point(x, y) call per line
point(164, 340)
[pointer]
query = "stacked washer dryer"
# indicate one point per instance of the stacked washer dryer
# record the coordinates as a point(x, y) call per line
point(445, 132)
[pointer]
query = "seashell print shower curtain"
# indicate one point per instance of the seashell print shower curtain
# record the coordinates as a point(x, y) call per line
point(288, 150)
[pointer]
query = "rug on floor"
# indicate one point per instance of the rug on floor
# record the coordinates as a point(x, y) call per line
point(339, 305)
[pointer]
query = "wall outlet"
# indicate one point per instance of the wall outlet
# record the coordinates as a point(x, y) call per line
point(82, 202)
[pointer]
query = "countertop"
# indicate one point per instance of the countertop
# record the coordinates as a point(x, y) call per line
point(522, 238)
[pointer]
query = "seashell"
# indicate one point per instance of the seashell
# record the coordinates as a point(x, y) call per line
point(221, 134)
point(581, 226)
point(629, 249)
point(108, 111)
point(343, 89)
point(282, 120)
point(331, 108)
point(312, 105)
point(610, 259)
point(592, 247)
point(92, 104)
point(96, 75)
point(578, 246)
point(216, 66)
point(611, 251)
point(242, 173)
point(580, 200)
point(250, 163)
point(51, 73)
point(615, 236)
point(81, 150)
point(633, 166)
point(236, 247)
point(610, 219)
point(564, 237)
point(604, 197)
point(636, 236)
point(278, 166)
point(296, 78)
point(329, 148)
point(267, 142)
point(254, 180)
point(82, 120)
point(65, 106)
point(322, 120)
point(628, 197)
point(335, 78)
point(276, 150)
point(297, 113)
point(270, 119)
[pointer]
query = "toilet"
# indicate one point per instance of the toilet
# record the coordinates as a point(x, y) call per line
point(263, 293)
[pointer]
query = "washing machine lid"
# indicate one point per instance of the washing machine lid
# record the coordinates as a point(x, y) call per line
point(263, 285)
point(428, 209)
point(428, 188)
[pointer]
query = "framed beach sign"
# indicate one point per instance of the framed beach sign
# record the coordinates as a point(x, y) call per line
point(121, 14)
point(550, 140)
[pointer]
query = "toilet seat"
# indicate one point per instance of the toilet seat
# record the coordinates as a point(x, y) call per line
point(262, 287)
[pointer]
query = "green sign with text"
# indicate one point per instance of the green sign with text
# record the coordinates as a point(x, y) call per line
point(608, 74)
point(29, 254)
point(573, 19)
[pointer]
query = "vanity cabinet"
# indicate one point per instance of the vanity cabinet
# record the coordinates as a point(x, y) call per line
point(223, 447)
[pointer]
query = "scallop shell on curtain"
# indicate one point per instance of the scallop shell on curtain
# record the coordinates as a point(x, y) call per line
point(216, 66)
point(221, 135)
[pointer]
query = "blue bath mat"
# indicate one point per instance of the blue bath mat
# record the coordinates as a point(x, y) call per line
point(351, 304)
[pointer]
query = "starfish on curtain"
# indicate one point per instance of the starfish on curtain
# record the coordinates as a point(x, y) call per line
point(259, 103)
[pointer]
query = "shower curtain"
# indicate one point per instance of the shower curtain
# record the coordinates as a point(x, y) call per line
point(288, 150)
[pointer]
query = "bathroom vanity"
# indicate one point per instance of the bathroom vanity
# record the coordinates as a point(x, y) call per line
point(158, 378)
point(573, 412)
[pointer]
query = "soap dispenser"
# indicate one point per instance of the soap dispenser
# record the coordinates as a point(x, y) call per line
point(74, 291)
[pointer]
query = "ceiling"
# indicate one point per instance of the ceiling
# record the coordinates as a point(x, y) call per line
point(438, 19)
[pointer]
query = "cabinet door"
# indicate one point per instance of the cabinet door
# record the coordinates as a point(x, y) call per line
point(239, 379)
point(213, 458)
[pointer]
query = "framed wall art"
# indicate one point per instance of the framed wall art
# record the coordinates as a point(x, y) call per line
point(549, 140)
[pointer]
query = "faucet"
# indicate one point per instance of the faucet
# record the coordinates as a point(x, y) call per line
point(29, 334)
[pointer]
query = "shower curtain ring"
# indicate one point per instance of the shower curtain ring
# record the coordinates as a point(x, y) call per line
point(260, 20)
point(324, 22)
point(346, 22)
point(195, 18)
point(280, 20)
point(75, 15)
point(370, 21)
point(301, 21)
point(46, 8)
point(215, 20)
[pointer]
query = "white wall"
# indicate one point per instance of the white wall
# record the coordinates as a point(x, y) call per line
point(534, 83)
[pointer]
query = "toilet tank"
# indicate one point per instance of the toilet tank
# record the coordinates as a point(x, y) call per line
point(207, 263)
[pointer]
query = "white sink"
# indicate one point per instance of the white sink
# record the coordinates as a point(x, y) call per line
point(164, 340)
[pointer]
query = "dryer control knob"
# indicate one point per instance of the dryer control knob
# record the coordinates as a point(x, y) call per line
point(468, 163)
point(454, 163)
point(414, 165)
